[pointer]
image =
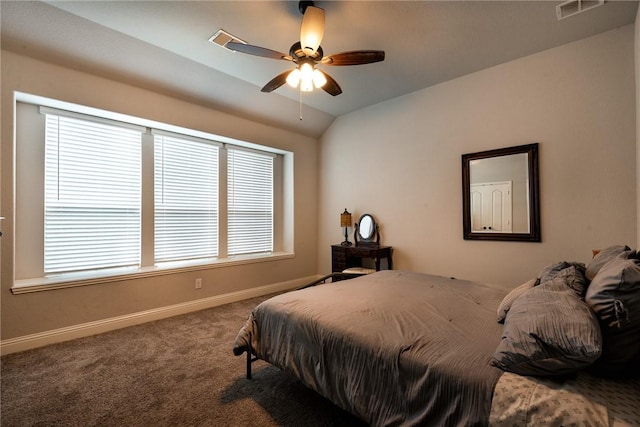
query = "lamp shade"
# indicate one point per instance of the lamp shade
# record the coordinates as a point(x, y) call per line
point(319, 79)
point(306, 77)
point(294, 77)
point(345, 219)
point(312, 29)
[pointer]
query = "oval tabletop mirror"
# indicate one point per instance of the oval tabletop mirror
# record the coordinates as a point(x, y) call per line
point(366, 232)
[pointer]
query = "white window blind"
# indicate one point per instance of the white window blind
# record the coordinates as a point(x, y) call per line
point(92, 195)
point(186, 198)
point(250, 201)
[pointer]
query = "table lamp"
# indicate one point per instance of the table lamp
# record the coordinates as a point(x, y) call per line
point(345, 221)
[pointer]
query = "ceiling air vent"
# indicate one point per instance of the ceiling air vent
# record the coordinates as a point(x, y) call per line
point(573, 7)
point(221, 38)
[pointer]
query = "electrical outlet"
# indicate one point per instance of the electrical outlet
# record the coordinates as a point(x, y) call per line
point(198, 283)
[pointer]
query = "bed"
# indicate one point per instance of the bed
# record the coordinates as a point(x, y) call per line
point(403, 348)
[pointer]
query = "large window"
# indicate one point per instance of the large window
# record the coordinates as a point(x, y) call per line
point(250, 201)
point(113, 197)
point(92, 195)
point(186, 198)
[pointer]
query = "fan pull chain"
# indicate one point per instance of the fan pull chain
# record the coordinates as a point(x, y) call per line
point(300, 98)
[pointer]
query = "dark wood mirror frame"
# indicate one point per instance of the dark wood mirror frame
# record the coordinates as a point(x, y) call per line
point(534, 234)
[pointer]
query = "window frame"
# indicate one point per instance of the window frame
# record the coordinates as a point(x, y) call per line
point(282, 182)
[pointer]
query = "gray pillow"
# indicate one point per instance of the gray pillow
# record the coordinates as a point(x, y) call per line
point(614, 295)
point(603, 257)
point(574, 277)
point(549, 330)
point(552, 270)
point(508, 300)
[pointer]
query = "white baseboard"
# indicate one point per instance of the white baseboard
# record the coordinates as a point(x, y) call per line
point(26, 342)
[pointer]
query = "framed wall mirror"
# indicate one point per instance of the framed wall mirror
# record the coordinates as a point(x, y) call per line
point(500, 194)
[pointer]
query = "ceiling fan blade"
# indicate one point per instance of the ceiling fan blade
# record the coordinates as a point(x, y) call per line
point(331, 86)
point(312, 29)
point(355, 57)
point(257, 51)
point(276, 82)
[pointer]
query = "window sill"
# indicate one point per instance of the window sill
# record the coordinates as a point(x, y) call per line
point(73, 280)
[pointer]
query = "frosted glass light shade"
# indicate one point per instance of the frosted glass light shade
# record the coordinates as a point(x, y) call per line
point(306, 77)
point(306, 85)
point(312, 29)
point(319, 79)
point(293, 78)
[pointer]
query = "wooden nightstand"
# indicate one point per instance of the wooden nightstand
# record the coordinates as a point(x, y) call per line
point(343, 257)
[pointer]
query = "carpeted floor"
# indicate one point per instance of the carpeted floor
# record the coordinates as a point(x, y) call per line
point(173, 372)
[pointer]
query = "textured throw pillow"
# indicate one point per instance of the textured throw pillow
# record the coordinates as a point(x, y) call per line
point(603, 257)
point(505, 305)
point(614, 295)
point(574, 277)
point(552, 270)
point(549, 330)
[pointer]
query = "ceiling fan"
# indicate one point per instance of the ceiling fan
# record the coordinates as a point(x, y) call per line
point(307, 54)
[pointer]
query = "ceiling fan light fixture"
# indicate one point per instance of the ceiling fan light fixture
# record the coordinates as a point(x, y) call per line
point(306, 85)
point(306, 71)
point(319, 79)
point(312, 29)
point(306, 77)
point(293, 78)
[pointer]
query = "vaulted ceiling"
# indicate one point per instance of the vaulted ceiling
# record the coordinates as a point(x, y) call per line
point(163, 46)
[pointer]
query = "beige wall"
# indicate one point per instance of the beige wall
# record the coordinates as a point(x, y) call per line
point(400, 161)
point(637, 57)
point(43, 311)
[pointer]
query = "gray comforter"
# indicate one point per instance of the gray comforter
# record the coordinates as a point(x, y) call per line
point(393, 348)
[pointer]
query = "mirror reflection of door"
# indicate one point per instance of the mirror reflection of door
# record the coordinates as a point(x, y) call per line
point(496, 170)
point(491, 207)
